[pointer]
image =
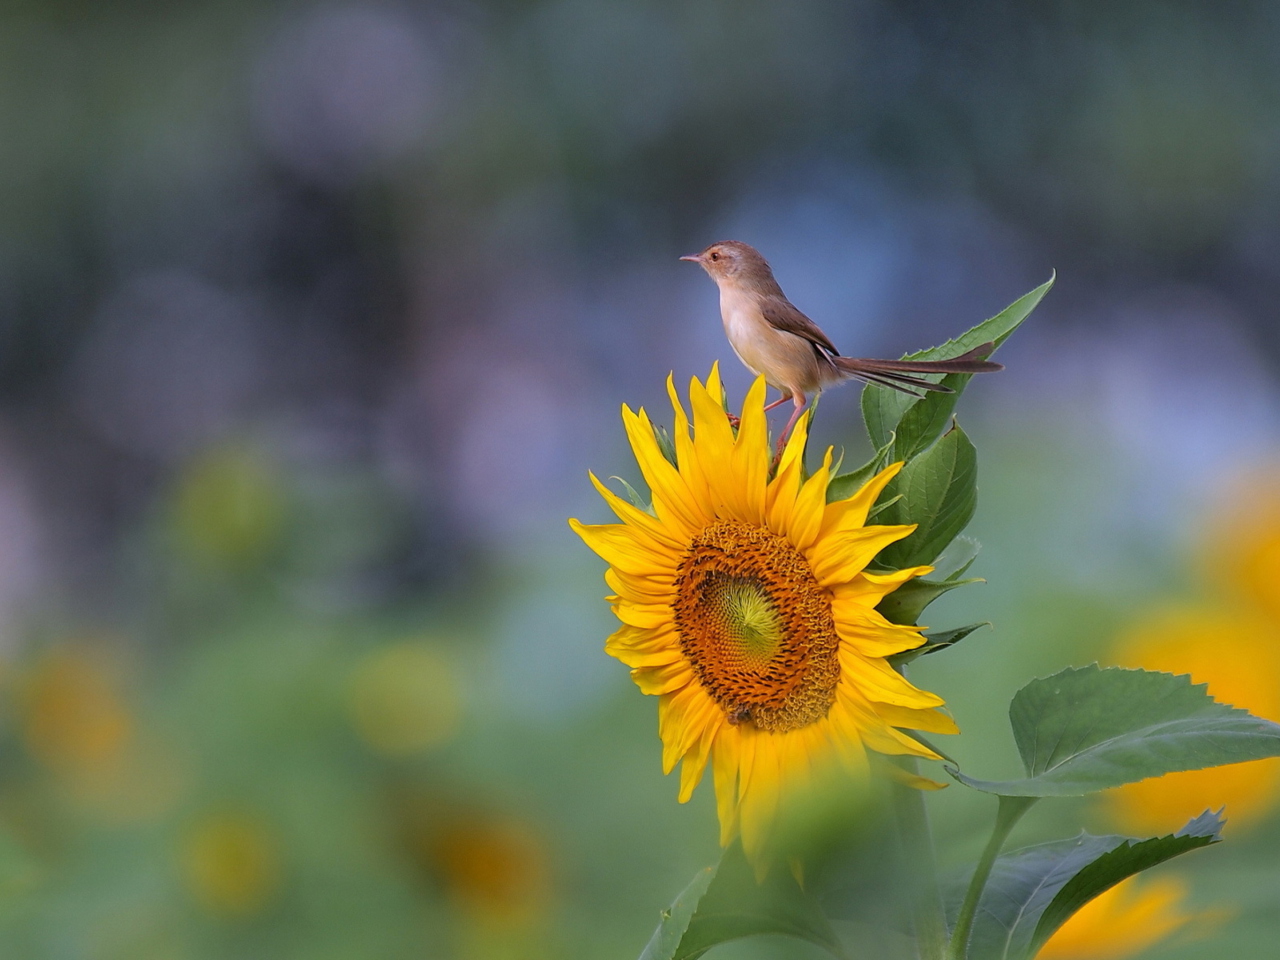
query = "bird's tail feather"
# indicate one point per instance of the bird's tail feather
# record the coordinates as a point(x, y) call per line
point(893, 373)
point(894, 381)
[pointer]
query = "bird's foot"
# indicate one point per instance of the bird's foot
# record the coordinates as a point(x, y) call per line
point(734, 420)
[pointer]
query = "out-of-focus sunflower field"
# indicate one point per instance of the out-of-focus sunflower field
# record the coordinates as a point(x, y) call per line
point(314, 316)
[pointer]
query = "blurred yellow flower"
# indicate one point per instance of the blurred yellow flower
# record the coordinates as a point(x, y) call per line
point(228, 506)
point(75, 720)
point(1237, 653)
point(1242, 550)
point(748, 609)
point(145, 785)
point(231, 862)
point(495, 867)
point(495, 871)
point(1124, 921)
point(78, 724)
point(405, 699)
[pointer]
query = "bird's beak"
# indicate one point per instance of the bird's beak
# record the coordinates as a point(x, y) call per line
point(693, 258)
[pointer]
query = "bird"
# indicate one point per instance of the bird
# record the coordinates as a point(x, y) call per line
point(773, 339)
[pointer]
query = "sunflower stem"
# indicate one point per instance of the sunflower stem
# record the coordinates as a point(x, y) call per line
point(1008, 814)
point(917, 847)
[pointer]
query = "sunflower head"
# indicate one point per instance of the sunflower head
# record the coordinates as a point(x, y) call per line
point(747, 608)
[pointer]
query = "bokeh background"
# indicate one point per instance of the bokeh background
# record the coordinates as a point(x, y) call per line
point(313, 317)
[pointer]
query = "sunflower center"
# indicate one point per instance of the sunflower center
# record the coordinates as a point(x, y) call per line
point(757, 627)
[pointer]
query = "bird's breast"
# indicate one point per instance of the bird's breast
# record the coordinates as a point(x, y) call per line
point(786, 361)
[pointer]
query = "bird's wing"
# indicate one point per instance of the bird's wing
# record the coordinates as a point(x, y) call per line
point(782, 314)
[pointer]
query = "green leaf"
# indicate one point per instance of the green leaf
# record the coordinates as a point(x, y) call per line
point(1031, 892)
point(955, 561)
point(675, 919)
point(866, 941)
point(938, 640)
point(874, 513)
point(727, 903)
point(1119, 863)
point(918, 420)
point(637, 501)
point(906, 603)
point(939, 490)
point(1088, 729)
point(665, 444)
point(847, 484)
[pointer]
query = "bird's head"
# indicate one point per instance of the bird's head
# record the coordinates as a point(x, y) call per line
point(731, 261)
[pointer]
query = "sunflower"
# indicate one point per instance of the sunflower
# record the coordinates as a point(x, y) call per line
point(1234, 651)
point(747, 609)
point(1129, 918)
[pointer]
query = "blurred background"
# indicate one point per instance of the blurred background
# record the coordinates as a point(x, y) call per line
point(313, 317)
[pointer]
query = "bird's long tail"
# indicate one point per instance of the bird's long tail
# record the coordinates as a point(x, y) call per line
point(895, 373)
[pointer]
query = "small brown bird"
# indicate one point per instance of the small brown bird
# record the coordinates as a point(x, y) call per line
point(775, 340)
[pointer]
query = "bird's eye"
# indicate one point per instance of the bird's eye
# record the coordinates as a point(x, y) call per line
point(715, 256)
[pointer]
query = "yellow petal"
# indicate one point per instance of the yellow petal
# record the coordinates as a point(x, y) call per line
point(637, 658)
point(796, 761)
point(868, 588)
point(695, 761)
point(667, 678)
point(713, 438)
point(845, 739)
point(682, 717)
point(672, 501)
point(793, 452)
point(927, 721)
point(643, 648)
point(856, 722)
point(759, 797)
point(687, 457)
point(749, 466)
point(725, 767)
point(878, 681)
point(747, 736)
point(640, 589)
point(634, 638)
point(648, 616)
point(870, 633)
point(852, 512)
point(659, 535)
point(621, 547)
point(852, 711)
point(780, 497)
point(714, 387)
point(913, 780)
point(806, 516)
point(839, 559)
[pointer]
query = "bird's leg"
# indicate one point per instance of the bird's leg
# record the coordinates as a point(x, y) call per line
point(777, 403)
point(799, 401)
